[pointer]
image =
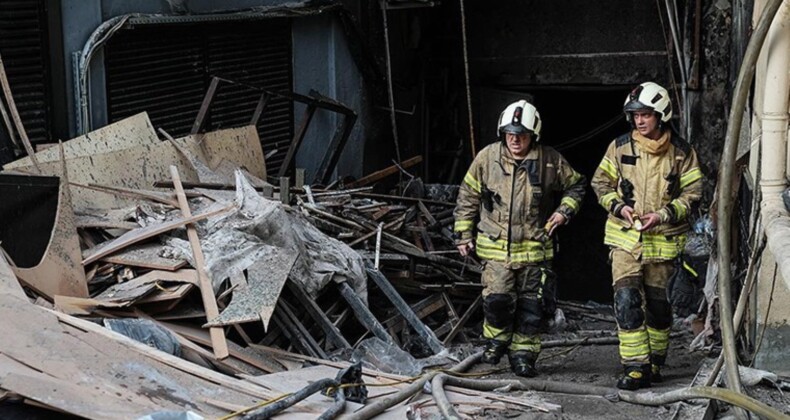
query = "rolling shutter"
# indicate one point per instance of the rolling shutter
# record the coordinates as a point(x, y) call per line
point(166, 69)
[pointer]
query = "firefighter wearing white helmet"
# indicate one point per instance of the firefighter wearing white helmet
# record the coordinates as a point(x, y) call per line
point(647, 181)
point(506, 215)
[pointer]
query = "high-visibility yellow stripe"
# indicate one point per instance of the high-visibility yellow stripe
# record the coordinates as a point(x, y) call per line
point(484, 241)
point(659, 340)
point(520, 252)
point(573, 179)
point(654, 246)
point(690, 269)
point(522, 342)
point(680, 209)
point(570, 202)
point(658, 246)
point(634, 344)
point(463, 225)
point(615, 236)
point(499, 334)
point(473, 183)
point(609, 168)
point(690, 177)
point(607, 199)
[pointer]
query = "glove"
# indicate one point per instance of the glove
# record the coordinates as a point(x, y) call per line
point(548, 291)
point(682, 291)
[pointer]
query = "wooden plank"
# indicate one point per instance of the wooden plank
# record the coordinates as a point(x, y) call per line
point(331, 332)
point(169, 294)
point(301, 330)
point(205, 105)
point(90, 402)
point(297, 140)
point(381, 174)
point(20, 128)
point(248, 355)
point(145, 256)
point(134, 289)
point(8, 281)
point(464, 319)
point(141, 166)
point(141, 234)
point(120, 346)
point(128, 133)
point(206, 288)
point(422, 330)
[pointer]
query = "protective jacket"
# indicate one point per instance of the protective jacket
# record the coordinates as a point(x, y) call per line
point(667, 183)
point(513, 202)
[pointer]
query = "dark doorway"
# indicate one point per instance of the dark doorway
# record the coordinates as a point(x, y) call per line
point(581, 122)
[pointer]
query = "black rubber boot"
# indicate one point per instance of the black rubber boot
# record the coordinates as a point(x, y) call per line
point(656, 361)
point(655, 374)
point(523, 364)
point(635, 377)
point(494, 351)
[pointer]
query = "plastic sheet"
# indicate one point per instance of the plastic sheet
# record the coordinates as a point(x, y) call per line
point(146, 332)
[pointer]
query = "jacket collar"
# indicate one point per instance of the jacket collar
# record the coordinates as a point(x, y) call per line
point(506, 157)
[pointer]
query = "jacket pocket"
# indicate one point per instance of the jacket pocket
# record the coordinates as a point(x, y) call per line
point(490, 229)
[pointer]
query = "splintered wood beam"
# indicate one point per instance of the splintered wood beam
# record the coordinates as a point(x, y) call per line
point(218, 341)
point(422, 330)
point(331, 332)
point(464, 319)
point(300, 329)
point(363, 314)
point(379, 175)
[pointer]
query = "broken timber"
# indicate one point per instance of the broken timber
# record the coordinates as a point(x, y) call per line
point(206, 289)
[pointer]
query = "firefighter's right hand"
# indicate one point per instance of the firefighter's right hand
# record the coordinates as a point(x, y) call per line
point(627, 213)
point(466, 249)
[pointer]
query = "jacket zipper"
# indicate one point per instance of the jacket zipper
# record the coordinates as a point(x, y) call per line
point(510, 212)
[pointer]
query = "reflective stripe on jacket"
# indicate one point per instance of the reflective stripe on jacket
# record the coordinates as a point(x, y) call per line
point(667, 184)
point(510, 228)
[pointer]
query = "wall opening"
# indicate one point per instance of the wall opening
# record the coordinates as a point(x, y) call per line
point(581, 122)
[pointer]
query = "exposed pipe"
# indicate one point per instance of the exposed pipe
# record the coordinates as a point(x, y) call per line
point(774, 139)
point(726, 177)
point(612, 394)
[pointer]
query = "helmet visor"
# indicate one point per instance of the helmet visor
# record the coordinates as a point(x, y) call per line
point(515, 129)
point(635, 105)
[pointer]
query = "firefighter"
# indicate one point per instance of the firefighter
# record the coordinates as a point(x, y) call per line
point(508, 199)
point(647, 182)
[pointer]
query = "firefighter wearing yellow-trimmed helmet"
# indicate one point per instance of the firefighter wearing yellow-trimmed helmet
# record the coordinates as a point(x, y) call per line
point(520, 117)
point(649, 96)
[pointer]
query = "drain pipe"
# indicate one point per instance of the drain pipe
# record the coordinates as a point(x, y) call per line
point(726, 176)
point(774, 137)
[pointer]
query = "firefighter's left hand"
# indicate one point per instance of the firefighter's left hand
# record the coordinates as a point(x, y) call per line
point(556, 220)
point(649, 221)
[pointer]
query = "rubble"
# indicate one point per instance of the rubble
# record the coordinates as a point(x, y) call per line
point(185, 247)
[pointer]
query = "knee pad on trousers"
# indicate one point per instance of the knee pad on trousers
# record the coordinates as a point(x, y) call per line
point(628, 308)
point(659, 311)
point(498, 309)
point(528, 315)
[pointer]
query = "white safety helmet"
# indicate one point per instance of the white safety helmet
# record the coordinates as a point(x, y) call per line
point(648, 96)
point(520, 117)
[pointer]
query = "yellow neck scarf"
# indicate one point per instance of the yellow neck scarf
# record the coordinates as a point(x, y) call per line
point(654, 147)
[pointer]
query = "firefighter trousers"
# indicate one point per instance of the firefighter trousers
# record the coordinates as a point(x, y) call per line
point(514, 301)
point(643, 314)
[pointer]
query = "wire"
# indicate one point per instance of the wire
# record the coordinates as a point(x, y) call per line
point(589, 135)
point(256, 406)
